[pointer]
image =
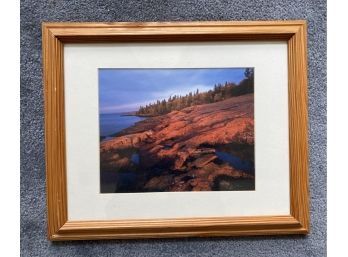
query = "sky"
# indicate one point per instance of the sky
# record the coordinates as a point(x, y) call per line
point(124, 90)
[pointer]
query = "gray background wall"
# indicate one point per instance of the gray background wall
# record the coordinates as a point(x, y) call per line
point(33, 205)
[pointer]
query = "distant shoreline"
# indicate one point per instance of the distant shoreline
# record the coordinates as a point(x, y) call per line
point(130, 114)
point(139, 115)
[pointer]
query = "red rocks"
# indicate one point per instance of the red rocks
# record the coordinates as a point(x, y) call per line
point(127, 141)
point(204, 160)
point(184, 141)
point(161, 183)
point(113, 161)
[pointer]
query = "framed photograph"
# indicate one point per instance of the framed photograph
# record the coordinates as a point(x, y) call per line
point(175, 129)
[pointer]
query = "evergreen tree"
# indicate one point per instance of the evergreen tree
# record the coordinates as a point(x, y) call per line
point(219, 93)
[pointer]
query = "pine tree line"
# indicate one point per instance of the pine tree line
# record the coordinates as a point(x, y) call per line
point(219, 93)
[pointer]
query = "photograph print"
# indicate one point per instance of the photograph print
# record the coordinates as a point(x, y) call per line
point(176, 129)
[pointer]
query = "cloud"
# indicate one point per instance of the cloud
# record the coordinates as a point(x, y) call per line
point(122, 107)
point(183, 90)
point(123, 90)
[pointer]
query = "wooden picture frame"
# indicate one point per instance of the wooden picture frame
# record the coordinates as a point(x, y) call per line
point(55, 35)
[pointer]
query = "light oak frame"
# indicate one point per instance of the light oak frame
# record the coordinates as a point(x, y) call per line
point(55, 35)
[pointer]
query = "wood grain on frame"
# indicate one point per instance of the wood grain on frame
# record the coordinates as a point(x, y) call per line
point(54, 37)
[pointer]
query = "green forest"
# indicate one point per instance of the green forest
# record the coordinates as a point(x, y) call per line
point(219, 93)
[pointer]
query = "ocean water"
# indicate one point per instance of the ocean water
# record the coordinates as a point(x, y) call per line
point(115, 122)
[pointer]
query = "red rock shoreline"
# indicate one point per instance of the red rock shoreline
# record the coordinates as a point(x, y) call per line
point(182, 143)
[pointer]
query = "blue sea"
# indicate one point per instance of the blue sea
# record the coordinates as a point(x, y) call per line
point(115, 122)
